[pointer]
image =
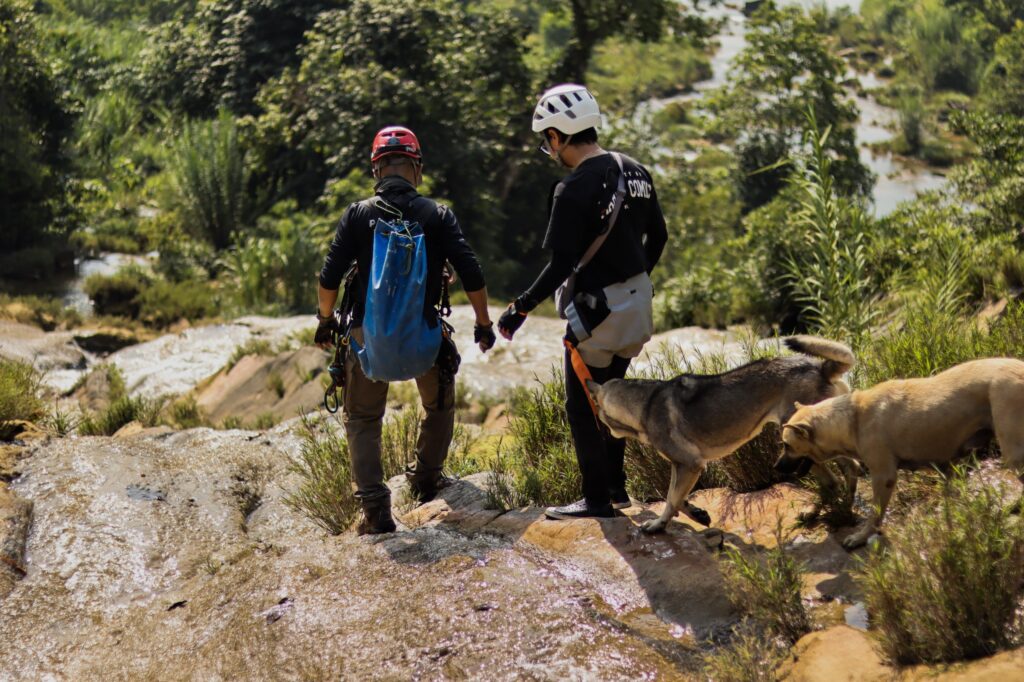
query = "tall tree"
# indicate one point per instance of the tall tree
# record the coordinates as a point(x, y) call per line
point(35, 121)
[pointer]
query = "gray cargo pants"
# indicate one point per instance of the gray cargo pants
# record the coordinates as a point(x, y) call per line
point(363, 414)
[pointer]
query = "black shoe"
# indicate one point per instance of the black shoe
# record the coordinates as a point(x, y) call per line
point(580, 510)
point(376, 519)
point(425, 491)
point(620, 498)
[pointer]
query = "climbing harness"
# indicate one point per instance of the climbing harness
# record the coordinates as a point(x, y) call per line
point(343, 327)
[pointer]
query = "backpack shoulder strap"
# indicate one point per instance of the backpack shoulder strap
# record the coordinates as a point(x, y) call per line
point(620, 194)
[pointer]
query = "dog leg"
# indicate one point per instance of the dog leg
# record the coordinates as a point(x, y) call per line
point(851, 472)
point(883, 481)
point(829, 486)
point(683, 480)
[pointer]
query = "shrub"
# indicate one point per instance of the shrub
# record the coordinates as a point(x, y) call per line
point(209, 170)
point(540, 466)
point(123, 410)
point(187, 414)
point(325, 493)
point(828, 271)
point(253, 346)
point(398, 438)
point(749, 656)
point(948, 585)
point(701, 297)
point(20, 387)
point(767, 589)
point(47, 313)
point(926, 344)
point(163, 303)
point(118, 294)
point(278, 271)
point(836, 502)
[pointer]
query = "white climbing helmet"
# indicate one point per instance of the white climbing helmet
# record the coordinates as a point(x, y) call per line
point(568, 108)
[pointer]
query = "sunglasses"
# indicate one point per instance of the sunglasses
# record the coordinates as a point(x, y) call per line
point(545, 148)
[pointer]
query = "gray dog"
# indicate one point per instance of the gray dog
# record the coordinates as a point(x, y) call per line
point(694, 419)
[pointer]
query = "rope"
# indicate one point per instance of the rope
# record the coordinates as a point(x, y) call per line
point(582, 373)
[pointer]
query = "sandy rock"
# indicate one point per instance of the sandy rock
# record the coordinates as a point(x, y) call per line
point(838, 654)
point(132, 428)
point(750, 517)
point(1002, 667)
point(284, 385)
point(497, 419)
point(15, 519)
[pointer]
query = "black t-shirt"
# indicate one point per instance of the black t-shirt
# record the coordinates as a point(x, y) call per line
point(580, 207)
point(353, 241)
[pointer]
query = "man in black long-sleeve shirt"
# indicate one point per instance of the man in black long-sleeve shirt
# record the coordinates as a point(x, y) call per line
point(397, 164)
point(612, 289)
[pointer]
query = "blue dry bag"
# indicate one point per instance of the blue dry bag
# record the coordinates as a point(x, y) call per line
point(400, 337)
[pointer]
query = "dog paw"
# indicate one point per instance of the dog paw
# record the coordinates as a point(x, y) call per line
point(655, 526)
point(698, 515)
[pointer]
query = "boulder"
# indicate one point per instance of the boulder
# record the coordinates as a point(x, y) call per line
point(671, 576)
point(284, 384)
point(838, 654)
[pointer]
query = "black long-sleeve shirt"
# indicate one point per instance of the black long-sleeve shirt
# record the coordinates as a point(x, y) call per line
point(580, 205)
point(353, 241)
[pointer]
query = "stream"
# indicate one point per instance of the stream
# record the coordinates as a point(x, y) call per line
point(895, 182)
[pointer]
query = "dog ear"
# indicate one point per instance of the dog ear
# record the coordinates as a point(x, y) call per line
point(799, 405)
point(803, 429)
point(594, 388)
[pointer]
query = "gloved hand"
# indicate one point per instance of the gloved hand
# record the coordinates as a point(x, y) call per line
point(483, 336)
point(510, 321)
point(325, 331)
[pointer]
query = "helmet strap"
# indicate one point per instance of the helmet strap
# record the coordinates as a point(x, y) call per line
point(558, 154)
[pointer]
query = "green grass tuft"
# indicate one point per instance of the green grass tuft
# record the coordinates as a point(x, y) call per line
point(766, 588)
point(20, 389)
point(947, 584)
point(325, 493)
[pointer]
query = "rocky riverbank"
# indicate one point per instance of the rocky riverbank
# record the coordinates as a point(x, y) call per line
point(172, 555)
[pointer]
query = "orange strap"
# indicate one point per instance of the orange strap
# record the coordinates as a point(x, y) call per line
point(582, 372)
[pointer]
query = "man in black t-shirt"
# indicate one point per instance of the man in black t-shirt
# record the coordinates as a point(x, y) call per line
point(397, 165)
point(612, 291)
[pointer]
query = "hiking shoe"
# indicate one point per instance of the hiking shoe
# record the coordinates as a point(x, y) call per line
point(580, 510)
point(620, 499)
point(425, 491)
point(376, 519)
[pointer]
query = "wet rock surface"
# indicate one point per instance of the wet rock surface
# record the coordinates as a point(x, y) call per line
point(171, 555)
point(140, 563)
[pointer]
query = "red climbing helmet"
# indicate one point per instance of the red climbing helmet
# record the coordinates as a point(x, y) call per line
point(395, 140)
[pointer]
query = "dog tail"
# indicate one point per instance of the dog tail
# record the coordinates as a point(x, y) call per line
point(839, 359)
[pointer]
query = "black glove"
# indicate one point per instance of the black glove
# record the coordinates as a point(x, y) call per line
point(484, 336)
point(326, 330)
point(510, 321)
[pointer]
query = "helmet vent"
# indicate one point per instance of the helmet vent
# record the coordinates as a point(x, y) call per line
point(570, 113)
point(565, 100)
point(578, 98)
point(552, 108)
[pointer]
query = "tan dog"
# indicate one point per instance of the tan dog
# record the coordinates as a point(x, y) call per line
point(911, 423)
